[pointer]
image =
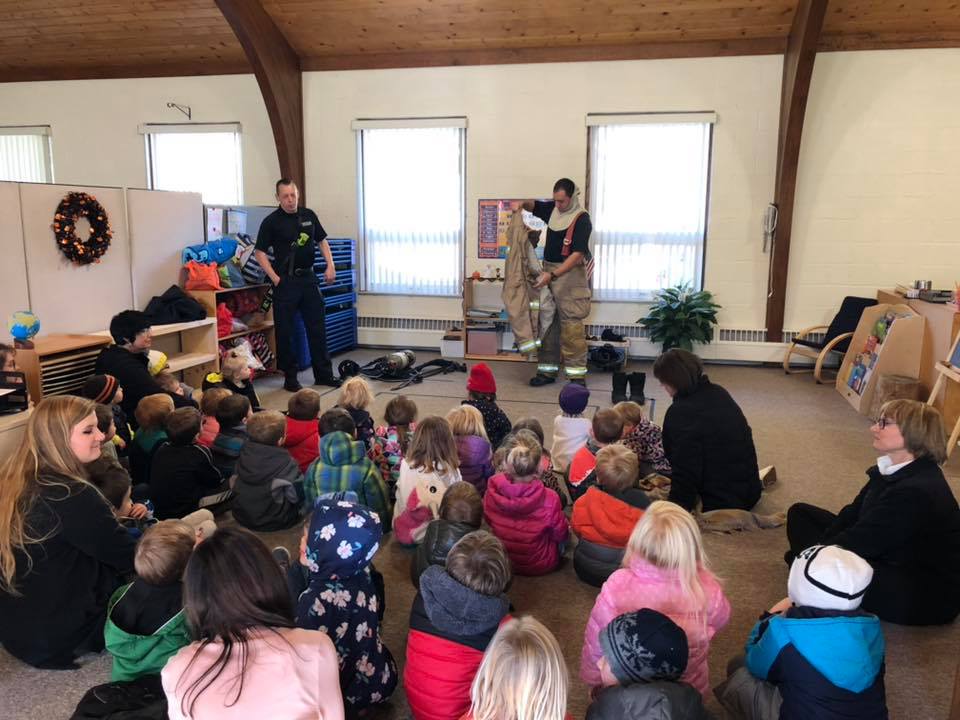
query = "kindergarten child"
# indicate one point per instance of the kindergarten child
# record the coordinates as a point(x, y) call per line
point(606, 428)
point(548, 476)
point(644, 655)
point(815, 654)
point(233, 412)
point(343, 466)
point(355, 397)
point(604, 516)
point(644, 438)
point(390, 441)
point(208, 409)
point(107, 426)
point(183, 472)
point(454, 616)
point(664, 569)
point(146, 624)
point(431, 466)
point(235, 375)
point(527, 517)
point(473, 448)
point(461, 512)
point(248, 660)
point(106, 390)
point(268, 485)
point(302, 438)
point(570, 428)
point(341, 599)
point(113, 482)
point(151, 415)
point(482, 388)
point(522, 677)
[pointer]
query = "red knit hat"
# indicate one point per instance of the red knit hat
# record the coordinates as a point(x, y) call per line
point(481, 379)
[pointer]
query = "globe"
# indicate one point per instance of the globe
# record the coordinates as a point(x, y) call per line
point(23, 325)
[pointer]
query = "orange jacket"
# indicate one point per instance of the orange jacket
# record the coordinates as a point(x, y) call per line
point(599, 517)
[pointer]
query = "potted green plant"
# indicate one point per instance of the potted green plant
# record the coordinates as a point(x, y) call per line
point(680, 317)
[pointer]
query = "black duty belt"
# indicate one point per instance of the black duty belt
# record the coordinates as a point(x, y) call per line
point(301, 272)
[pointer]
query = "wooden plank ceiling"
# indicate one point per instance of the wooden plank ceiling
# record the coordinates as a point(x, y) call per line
point(52, 39)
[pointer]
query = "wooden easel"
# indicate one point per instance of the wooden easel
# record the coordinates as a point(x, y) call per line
point(947, 372)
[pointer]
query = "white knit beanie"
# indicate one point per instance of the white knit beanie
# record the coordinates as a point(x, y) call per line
point(829, 577)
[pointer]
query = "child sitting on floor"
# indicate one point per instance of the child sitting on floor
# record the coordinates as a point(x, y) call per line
point(527, 517)
point(146, 624)
point(302, 440)
point(523, 675)
point(548, 475)
point(482, 388)
point(644, 655)
point(461, 512)
point(267, 484)
point(151, 415)
point(106, 390)
point(646, 440)
point(664, 569)
point(235, 375)
point(107, 425)
point(816, 654)
point(430, 467)
point(233, 412)
point(454, 616)
point(570, 428)
point(343, 465)
point(341, 599)
point(208, 409)
point(390, 441)
point(355, 397)
point(183, 473)
point(473, 448)
point(605, 515)
point(606, 428)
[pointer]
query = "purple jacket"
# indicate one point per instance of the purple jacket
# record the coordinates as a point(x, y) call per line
point(529, 521)
point(476, 460)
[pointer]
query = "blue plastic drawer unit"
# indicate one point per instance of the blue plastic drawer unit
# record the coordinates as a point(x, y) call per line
point(340, 301)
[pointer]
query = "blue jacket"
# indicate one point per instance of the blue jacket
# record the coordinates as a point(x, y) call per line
point(828, 664)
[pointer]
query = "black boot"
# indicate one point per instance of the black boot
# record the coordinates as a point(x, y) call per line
point(539, 380)
point(619, 393)
point(637, 381)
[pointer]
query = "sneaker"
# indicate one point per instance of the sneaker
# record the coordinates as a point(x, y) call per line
point(540, 379)
point(282, 556)
point(768, 476)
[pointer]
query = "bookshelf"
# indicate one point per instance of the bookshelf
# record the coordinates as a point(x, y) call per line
point(476, 324)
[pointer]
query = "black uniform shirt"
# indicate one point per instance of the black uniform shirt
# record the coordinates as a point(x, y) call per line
point(552, 251)
point(293, 236)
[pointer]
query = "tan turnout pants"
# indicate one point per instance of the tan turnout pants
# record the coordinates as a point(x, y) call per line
point(566, 337)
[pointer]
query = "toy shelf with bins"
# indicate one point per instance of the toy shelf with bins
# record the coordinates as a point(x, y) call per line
point(211, 298)
point(479, 324)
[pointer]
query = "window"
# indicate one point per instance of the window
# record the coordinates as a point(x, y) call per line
point(648, 201)
point(25, 154)
point(203, 158)
point(411, 205)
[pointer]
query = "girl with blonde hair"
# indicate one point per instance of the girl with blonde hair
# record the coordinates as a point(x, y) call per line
point(522, 677)
point(356, 396)
point(62, 551)
point(236, 376)
point(430, 466)
point(473, 447)
point(665, 569)
point(526, 516)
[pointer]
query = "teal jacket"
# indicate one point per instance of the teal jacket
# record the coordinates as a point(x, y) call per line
point(343, 465)
point(138, 655)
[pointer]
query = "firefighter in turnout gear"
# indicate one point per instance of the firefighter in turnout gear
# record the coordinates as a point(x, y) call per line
point(567, 263)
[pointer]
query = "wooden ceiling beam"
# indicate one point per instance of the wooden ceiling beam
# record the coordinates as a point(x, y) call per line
point(797, 72)
point(10, 74)
point(277, 68)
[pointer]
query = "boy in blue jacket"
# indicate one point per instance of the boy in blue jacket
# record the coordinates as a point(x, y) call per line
point(817, 655)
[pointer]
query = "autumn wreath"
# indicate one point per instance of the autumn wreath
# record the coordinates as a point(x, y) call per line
point(90, 249)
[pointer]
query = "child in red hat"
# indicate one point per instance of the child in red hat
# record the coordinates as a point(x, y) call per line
point(482, 388)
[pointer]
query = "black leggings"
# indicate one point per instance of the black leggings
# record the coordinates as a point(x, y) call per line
point(896, 594)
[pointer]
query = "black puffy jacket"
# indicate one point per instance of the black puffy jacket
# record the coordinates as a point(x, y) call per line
point(659, 699)
point(441, 535)
point(594, 563)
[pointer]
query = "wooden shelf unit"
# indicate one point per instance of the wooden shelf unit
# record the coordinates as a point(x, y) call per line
point(211, 298)
point(474, 322)
point(59, 364)
point(191, 348)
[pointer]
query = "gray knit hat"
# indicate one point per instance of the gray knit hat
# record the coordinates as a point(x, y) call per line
point(644, 645)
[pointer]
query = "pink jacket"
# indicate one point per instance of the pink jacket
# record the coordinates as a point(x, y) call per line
point(529, 521)
point(643, 585)
point(208, 431)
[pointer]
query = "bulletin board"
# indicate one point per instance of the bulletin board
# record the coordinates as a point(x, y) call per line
point(493, 218)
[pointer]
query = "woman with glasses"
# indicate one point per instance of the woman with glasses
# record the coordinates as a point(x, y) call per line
point(905, 521)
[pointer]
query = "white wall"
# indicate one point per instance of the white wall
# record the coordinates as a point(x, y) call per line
point(878, 193)
point(526, 129)
point(94, 125)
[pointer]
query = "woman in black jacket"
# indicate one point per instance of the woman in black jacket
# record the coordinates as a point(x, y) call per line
point(706, 439)
point(62, 551)
point(905, 521)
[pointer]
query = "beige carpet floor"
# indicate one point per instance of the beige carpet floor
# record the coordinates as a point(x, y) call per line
point(819, 445)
